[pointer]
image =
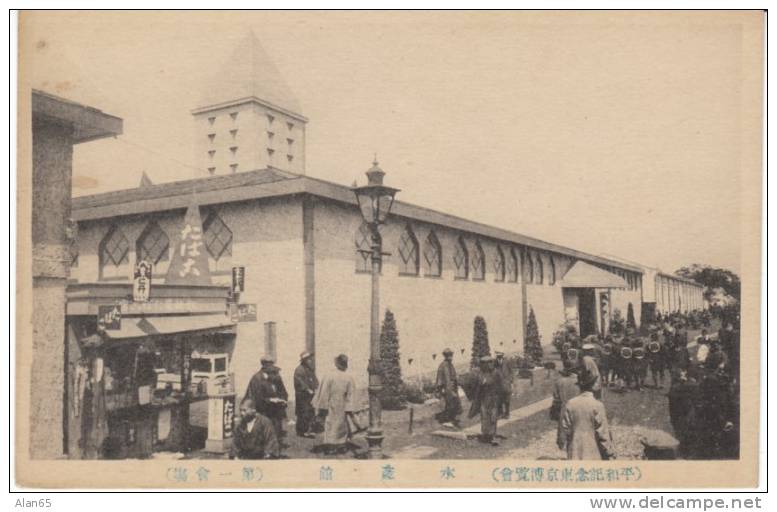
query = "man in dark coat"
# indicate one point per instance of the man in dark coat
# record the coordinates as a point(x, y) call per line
point(254, 438)
point(505, 369)
point(682, 398)
point(305, 386)
point(564, 388)
point(268, 393)
point(486, 397)
point(448, 386)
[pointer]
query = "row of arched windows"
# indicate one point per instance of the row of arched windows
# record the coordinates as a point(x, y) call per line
point(469, 260)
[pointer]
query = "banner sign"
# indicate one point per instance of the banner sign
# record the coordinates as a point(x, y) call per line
point(141, 282)
point(238, 279)
point(246, 312)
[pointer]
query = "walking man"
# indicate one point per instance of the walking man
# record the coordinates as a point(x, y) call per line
point(448, 386)
point(588, 364)
point(488, 386)
point(583, 431)
point(564, 388)
point(305, 386)
point(336, 400)
point(506, 371)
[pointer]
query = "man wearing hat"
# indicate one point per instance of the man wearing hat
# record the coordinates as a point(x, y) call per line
point(267, 391)
point(504, 368)
point(583, 431)
point(448, 387)
point(588, 364)
point(486, 396)
point(305, 386)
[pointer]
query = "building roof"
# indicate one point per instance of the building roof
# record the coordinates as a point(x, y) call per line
point(271, 182)
point(585, 275)
point(249, 75)
point(679, 278)
point(88, 123)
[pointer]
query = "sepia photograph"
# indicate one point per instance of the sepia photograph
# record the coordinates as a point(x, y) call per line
point(291, 249)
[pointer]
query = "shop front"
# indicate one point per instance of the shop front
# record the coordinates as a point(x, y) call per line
point(151, 376)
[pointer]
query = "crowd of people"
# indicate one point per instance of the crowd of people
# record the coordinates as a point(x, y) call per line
point(703, 392)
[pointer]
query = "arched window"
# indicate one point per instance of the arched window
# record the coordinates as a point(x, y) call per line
point(461, 259)
point(217, 237)
point(408, 253)
point(362, 240)
point(433, 255)
point(478, 263)
point(552, 276)
point(499, 265)
point(512, 266)
point(153, 244)
point(528, 268)
point(114, 248)
point(539, 272)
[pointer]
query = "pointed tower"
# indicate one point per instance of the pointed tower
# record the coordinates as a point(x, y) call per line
point(249, 119)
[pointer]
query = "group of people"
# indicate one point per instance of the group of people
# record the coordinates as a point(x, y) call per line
point(327, 406)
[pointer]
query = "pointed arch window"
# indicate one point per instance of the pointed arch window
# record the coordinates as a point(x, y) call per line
point(478, 263)
point(511, 268)
point(217, 237)
point(114, 248)
point(153, 244)
point(433, 255)
point(409, 261)
point(461, 259)
point(499, 265)
point(539, 272)
point(552, 276)
point(363, 248)
point(528, 267)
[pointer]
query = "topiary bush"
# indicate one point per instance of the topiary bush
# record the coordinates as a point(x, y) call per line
point(532, 344)
point(631, 322)
point(393, 395)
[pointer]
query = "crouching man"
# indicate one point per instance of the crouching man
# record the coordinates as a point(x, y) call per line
point(255, 437)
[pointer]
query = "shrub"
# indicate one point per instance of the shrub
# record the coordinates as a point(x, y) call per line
point(617, 324)
point(393, 395)
point(532, 345)
point(480, 347)
point(631, 323)
point(414, 394)
point(566, 333)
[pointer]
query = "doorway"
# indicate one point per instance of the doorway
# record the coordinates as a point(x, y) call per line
point(587, 305)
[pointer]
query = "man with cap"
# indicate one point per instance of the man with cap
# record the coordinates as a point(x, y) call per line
point(305, 386)
point(448, 386)
point(564, 389)
point(505, 369)
point(268, 393)
point(583, 431)
point(486, 396)
point(335, 399)
point(588, 364)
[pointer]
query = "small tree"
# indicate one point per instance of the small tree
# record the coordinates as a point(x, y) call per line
point(631, 323)
point(617, 325)
point(480, 345)
point(393, 396)
point(532, 345)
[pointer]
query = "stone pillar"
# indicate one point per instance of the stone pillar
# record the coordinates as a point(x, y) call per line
point(52, 153)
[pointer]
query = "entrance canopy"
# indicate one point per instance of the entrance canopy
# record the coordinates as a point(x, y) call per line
point(585, 275)
point(166, 325)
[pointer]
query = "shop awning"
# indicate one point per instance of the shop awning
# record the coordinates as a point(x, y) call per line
point(585, 275)
point(168, 325)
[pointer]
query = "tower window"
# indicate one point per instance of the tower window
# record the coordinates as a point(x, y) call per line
point(290, 142)
point(211, 136)
point(211, 153)
point(290, 125)
point(233, 149)
point(289, 157)
point(233, 133)
point(270, 118)
point(270, 151)
point(211, 120)
point(233, 167)
point(233, 115)
point(270, 135)
point(153, 244)
point(212, 170)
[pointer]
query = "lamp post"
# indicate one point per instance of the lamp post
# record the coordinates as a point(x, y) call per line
point(375, 201)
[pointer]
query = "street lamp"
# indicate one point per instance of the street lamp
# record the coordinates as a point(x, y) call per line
point(375, 201)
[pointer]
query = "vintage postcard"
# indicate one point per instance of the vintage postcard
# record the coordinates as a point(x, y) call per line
point(396, 249)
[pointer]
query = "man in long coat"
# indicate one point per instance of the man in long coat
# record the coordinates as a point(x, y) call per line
point(487, 388)
point(564, 389)
point(583, 430)
point(336, 398)
point(506, 371)
point(448, 386)
point(254, 438)
point(267, 391)
point(305, 387)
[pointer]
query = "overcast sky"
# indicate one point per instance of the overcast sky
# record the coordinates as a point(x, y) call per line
point(606, 133)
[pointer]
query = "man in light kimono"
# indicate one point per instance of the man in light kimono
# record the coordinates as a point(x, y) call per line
point(583, 431)
point(448, 387)
point(336, 398)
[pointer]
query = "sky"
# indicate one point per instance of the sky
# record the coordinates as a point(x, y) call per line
point(611, 133)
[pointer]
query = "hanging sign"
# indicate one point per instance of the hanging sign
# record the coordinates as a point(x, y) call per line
point(246, 312)
point(109, 317)
point(238, 279)
point(229, 416)
point(141, 282)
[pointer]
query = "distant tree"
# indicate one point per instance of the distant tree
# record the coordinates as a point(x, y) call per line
point(631, 323)
point(717, 282)
point(393, 396)
point(532, 345)
point(480, 345)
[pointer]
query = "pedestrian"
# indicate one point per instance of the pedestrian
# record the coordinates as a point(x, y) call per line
point(335, 400)
point(254, 438)
point(656, 360)
point(588, 364)
point(682, 399)
point(639, 362)
point(564, 388)
point(505, 369)
point(583, 431)
point(268, 394)
point(488, 386)
point(448, 388)
point(305, 387)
